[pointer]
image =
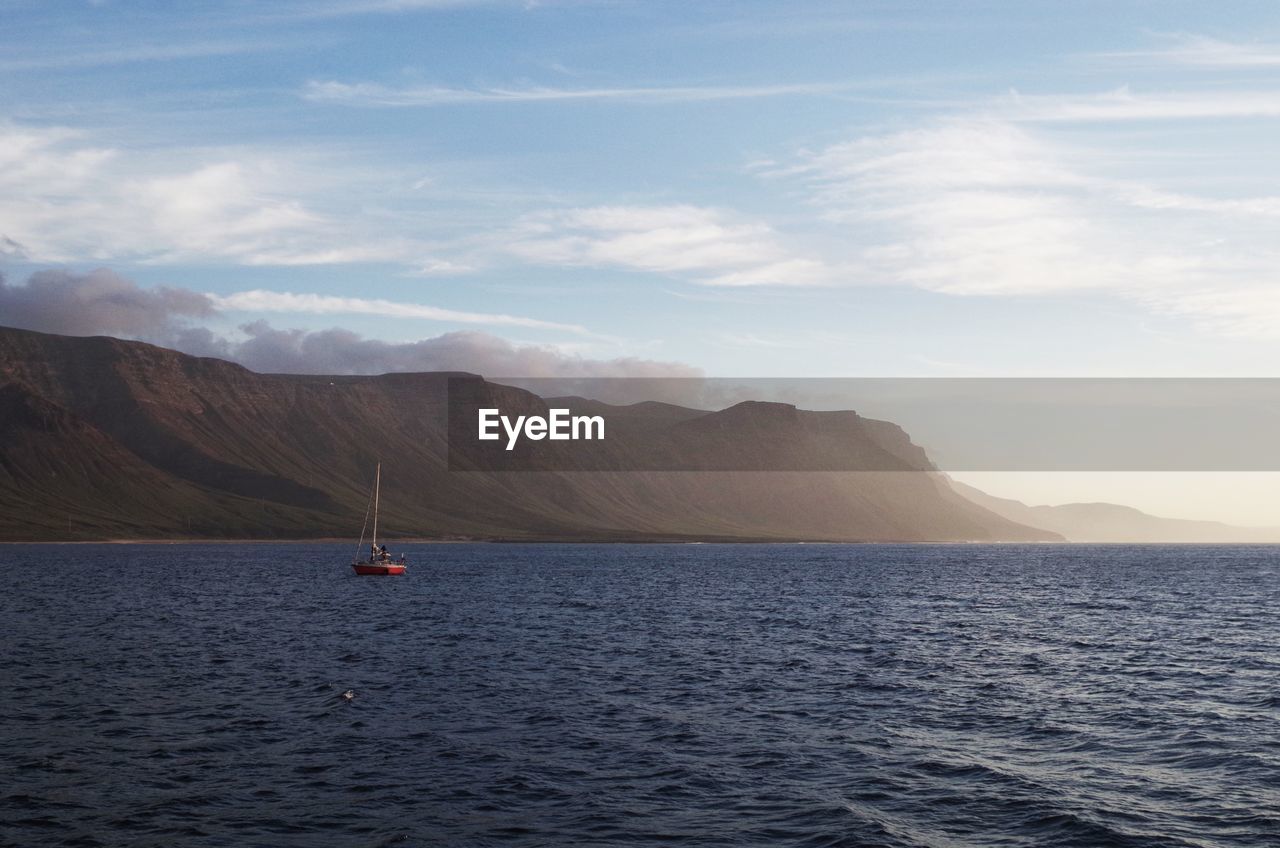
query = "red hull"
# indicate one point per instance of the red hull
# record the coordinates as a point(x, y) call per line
point(378, 568)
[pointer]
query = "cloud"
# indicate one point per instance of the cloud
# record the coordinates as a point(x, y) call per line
point(65, 58)
point(373, 94)
point(707, 245)
point(784, 272)
point(102, 302)
point(1124, 104)
point(964, 208)
point(10, 249)
point(1241, 308)
point(337, 351)
point(65, 199)
point(99, 302)
point(317, 304)
point(987, 207)
point(347, 8)
point(299, 11)
point(1202, 52)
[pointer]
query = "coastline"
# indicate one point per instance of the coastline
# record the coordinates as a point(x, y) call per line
point(640, 541)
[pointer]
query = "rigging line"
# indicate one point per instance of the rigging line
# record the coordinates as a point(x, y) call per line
point(367, 510)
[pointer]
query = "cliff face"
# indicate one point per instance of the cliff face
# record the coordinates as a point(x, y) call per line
point(103, 438)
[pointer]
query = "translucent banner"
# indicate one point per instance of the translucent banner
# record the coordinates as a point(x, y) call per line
point(687, 424)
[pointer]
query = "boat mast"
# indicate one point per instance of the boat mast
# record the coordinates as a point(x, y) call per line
point(377, 483)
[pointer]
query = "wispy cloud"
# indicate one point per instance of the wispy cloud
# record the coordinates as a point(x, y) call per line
point(65, 199)
point(987, 207)
point(756, 340)
point(259, 301)
point(1203, 52)
point(373, 94)
point(352, 8)
point(707, 245)
point(964, 208)
point(303, 11)
point(65, 58)
point(1126, 104)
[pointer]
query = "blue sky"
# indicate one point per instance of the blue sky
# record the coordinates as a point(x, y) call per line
point(799, 189)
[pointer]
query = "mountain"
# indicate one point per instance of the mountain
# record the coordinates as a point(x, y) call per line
point(102, 438)
point(748, 436)
point(1105, 522)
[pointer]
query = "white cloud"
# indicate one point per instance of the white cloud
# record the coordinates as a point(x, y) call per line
point(965, 208)
point(707, 245)
point(1124, 104)
point(67, 58)
point(345, 8)
point(297, 11)
point(443, 267)
point(1238, 308)
point(317, 304)
point(65, 199)
point(1202, 52)
point(373, 94)
point(785, 272)
point(987, 207)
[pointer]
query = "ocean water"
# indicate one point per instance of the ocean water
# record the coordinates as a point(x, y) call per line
point(560, 695)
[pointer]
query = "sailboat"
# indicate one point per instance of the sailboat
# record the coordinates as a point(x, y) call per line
point(378, 561)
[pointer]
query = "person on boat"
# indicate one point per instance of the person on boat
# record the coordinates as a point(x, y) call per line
point(386, 557)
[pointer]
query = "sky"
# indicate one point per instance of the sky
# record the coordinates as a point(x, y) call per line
point(800, 189)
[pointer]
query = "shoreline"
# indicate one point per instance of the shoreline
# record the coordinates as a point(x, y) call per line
point(552, 541)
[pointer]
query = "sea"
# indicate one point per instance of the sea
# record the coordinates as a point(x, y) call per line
point(624, 695)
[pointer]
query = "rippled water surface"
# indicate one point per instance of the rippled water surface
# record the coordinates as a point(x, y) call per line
point(609, 695)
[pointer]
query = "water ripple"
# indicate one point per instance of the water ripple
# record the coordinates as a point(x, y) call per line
point(213, 695)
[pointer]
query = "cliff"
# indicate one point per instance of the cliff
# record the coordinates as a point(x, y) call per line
point(103, 438)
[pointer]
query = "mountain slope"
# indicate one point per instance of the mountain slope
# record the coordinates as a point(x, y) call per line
point(106, 438)
point(1105, 522)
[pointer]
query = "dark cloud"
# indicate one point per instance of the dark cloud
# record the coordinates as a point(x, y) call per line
point(10, 249)
point(102, 302)
point(337, 351)
point(99, 302)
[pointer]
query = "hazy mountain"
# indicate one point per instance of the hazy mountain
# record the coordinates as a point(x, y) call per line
point(103, 438)
point(1105, 522)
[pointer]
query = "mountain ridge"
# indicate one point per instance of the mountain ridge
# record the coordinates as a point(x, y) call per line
point(1115, 523)
point(106, 438)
